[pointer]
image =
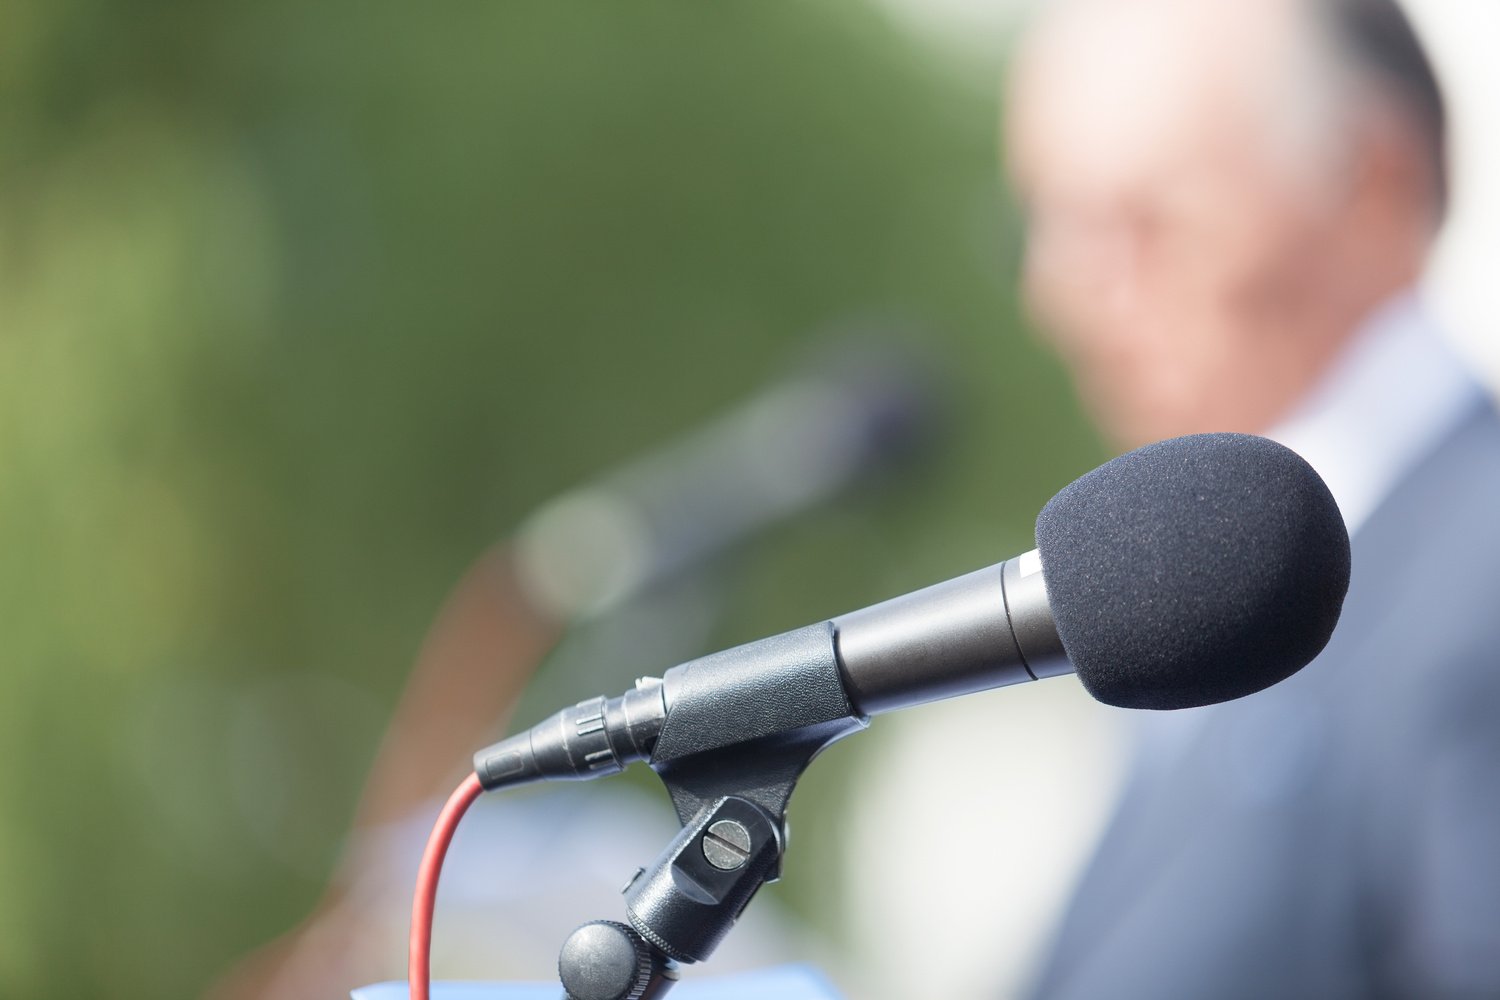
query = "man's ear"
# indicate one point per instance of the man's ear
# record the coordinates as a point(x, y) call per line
point(1392, 206)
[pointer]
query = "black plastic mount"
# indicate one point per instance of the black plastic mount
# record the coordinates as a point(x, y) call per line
point(690, 898)
point(740, 728)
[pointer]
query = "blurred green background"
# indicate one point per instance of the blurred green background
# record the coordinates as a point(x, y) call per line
point(302, 305)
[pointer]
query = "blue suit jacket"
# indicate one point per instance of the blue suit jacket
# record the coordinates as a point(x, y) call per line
point(1337, 835)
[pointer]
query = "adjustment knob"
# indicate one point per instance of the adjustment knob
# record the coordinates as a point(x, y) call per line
point(604, 960)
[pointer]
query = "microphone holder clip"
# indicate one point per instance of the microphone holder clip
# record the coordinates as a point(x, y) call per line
point(730, 786)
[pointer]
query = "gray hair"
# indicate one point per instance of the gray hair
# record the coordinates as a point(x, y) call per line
point(1375, 44)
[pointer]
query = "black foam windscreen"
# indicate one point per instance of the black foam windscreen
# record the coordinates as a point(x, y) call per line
point(1194, 570)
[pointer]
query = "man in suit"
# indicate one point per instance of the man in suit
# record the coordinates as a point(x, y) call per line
point(1230, 204)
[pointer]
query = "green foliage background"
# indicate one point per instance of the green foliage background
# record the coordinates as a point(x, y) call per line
point(303, 304)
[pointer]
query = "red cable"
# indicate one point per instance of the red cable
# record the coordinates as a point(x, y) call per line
point(419, 952)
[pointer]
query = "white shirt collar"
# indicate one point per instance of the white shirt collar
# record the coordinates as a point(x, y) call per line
point(1392, 395)
point(1387, 401)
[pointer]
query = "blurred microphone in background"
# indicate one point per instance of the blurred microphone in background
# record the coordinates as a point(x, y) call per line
point(860, 404)
point(856, 407)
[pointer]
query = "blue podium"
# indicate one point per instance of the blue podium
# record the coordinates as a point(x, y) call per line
point(788, 982)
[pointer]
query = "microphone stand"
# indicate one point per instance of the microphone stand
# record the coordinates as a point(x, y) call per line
point(680, 908)
point(732, 802)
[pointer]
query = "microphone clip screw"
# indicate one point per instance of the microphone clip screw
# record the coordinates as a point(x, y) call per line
point(726, 845)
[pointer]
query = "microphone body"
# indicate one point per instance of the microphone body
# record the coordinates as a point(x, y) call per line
point(985, 629)
point(1185, 573)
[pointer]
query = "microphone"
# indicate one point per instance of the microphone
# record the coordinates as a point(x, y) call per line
point(860, 404)
point(1185, 573)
